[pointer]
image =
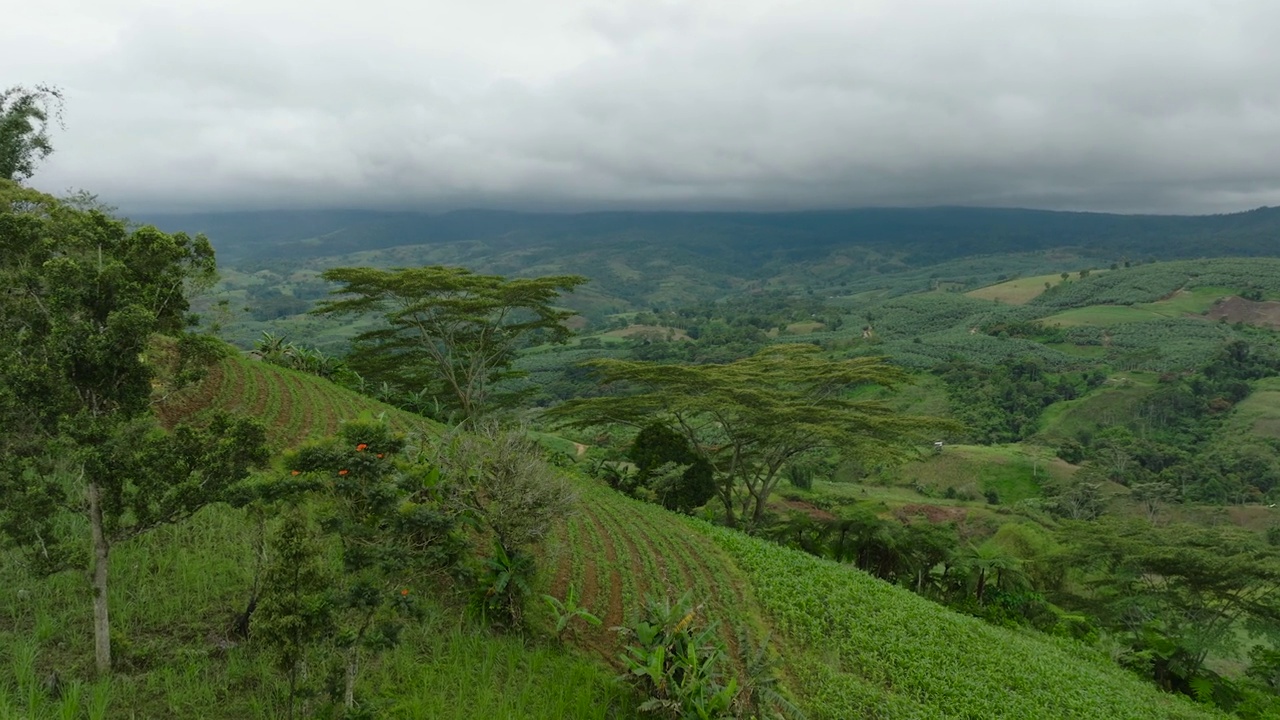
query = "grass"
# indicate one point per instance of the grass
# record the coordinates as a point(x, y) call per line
point(173, 595)
point(1258, 414)
point(1018, 291)
point(1191, 301)
point(1115, 402)
point(1102, 315)
point(1013, 472)
point(1181, 304)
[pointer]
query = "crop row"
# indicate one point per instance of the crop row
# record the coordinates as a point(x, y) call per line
point(294, 406)
point(616, 551)
point(900, 655)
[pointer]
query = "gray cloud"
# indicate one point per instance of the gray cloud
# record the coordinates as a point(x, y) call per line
point(1146, 105)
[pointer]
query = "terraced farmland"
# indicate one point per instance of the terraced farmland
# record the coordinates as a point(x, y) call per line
point(615, 550)
point(294, 406)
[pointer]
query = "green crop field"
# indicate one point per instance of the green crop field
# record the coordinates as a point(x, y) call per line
point(853, 646)
point(1114, 403)
point(294, 406)
point(1019, 291)
point(1102, 315)
point(872, 650)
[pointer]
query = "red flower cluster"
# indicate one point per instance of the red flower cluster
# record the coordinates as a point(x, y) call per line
point(343, 472)
point(362, 447)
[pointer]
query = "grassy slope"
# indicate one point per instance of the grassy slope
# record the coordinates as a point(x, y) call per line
point(879, 651)
point(1018, 291)
point(1259, 413)
point(175, 592)
point(853, 645)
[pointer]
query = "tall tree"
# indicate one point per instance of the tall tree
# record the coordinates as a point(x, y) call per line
point(25, 114)
point(1176, 592)
point(447, 328)
point(81, 297)
point(750, 417)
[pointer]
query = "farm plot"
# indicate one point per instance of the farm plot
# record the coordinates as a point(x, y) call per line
point(294, 406)
point(879, 651)
point(614, 551)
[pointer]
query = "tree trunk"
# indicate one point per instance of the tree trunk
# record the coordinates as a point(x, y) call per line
point(98, 575)
point(353, 666)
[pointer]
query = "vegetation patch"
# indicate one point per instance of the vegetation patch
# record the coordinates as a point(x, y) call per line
point(894, 654)
point(1019, 291)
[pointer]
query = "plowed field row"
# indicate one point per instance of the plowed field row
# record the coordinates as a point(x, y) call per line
point(614, 551)
point(294, 406)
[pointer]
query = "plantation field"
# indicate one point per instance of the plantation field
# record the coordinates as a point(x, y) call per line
point(1101, 315)
point(294, 406)
point(853, 646)
point(1018, 291)
point(614, 550)
point(646, 331)
point(872, 650)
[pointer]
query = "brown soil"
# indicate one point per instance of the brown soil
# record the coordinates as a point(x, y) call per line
point(182, 405)
point(812, 511)
point(613, 616)
point(1237, 309)
point(933, 513)
point(674, 582)
point(564, 563)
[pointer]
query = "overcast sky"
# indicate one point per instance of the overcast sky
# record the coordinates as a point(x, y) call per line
point(1131, 105)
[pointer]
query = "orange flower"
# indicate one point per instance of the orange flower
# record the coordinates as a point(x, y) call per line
point(296, 472)
point(343, 472)
point(379, 456)
point(362, 447)
point(404, 592)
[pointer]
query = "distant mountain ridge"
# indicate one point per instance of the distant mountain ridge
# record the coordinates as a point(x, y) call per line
point(918, 236)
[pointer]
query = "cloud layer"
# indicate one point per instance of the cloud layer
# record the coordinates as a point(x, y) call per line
point(1145, 105)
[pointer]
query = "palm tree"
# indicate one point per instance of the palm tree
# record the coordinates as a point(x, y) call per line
point(988, 559)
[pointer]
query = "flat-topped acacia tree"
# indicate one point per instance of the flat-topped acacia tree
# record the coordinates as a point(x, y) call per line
point(447, 329)
point(752, 417)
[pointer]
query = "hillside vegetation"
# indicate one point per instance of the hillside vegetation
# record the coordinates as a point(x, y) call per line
point(851, 644)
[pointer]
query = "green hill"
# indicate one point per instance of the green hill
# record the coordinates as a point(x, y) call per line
point(852, 646)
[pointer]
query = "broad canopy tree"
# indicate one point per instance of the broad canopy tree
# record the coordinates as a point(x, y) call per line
point(1176, 593)
point(751, 417)
point(448, 329)
point(81, 297)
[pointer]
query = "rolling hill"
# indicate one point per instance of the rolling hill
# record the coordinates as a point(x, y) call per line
point(852, 646)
